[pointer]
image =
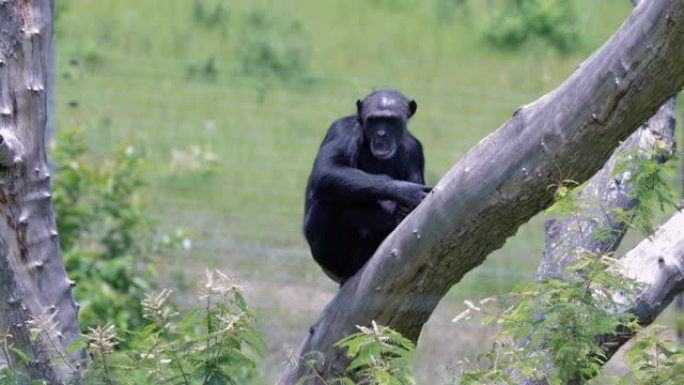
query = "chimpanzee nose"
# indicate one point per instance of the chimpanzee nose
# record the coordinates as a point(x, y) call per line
point(382, 133)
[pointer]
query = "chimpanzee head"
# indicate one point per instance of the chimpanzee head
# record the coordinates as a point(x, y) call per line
point(383, 116)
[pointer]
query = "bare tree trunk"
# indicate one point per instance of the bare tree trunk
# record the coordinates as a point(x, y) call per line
point(503, 181)
point(34, 289)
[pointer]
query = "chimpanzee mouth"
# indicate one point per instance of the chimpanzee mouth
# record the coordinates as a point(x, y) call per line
point(382, 148)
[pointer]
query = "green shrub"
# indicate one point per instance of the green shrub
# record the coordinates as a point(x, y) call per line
point(273, 47)
point(105, 237)
point(652, 359)
point(649, 185)
point(562, 317)
point(517, 21)
point(445, 10)
point(214, 343)
point(378, 354)
point(210, 13)
point(204, 70)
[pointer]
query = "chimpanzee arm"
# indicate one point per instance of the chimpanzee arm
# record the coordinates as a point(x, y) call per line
point(415, 173)
point(334, 177)
point(417, 164)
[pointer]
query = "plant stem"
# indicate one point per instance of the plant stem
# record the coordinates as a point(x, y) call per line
point(180, 366)
point(108, 376)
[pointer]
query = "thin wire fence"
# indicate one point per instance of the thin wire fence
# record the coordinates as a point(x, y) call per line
point(245, 215)
point(106, 94)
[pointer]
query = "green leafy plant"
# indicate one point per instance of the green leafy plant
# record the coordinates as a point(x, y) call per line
point(273, 47)
point(215, 343)
point(210, 13)
point(551, 327)
point(204, 70)
point(559, 316)
point(649, 185)
point(518, 21)
point(653, 360)
point(379, 356)
point(107, 240)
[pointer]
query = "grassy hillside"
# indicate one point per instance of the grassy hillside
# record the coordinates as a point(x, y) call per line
point(230, 100)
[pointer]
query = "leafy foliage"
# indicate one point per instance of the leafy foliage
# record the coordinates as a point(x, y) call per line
point(649, 186)
point(204, 70)
point(653, 360)
point(215, 343)
point(210, 13)
point(566, 199)
point(273, 47)
point(565, 315)
point(555, 328)
point(379, 356)
point(518, 21)
point(106, 239)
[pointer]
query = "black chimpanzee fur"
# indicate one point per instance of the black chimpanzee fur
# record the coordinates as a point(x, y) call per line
point(367, 176)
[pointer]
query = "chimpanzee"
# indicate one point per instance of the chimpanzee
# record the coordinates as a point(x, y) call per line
point(367, 176)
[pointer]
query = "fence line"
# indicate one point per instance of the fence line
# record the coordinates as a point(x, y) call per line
point(268, 222)
point(168, 65)
point(182, 103)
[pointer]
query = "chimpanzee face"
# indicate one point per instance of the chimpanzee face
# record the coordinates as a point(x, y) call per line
point(383, 116)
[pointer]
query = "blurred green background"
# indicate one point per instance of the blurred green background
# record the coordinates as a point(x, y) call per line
point(230, 99)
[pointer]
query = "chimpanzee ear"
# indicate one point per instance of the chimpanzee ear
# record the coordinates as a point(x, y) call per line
point(413, 106)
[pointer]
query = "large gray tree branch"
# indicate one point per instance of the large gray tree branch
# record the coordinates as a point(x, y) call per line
point(504, 181)
point(34, 289)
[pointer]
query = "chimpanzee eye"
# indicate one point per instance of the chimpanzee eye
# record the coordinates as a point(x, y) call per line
point(392, 121)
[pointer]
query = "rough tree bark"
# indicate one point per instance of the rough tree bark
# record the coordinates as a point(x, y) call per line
point(33, 283)
point(503, 181)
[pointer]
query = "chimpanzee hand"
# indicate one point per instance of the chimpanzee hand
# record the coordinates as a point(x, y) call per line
point(402, 212)
point(409, 194)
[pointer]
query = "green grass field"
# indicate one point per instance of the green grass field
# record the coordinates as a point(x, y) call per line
point(163, 76)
